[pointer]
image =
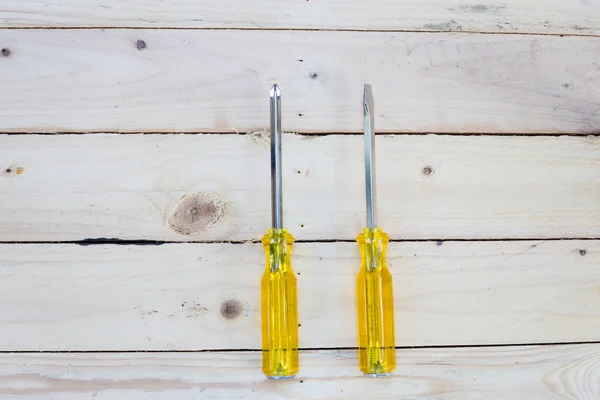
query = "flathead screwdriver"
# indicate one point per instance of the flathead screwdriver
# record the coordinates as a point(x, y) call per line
point(374, 286)
point(278, 284)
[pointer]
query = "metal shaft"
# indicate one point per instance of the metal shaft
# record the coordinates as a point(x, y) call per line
point(369, 122)
point(276, 192)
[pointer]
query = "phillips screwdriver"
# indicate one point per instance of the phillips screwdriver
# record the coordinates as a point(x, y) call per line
point(278, 284)
point(374, 286)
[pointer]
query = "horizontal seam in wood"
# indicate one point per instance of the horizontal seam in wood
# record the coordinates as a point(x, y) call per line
point(466, 346)
point(463, 32)
point(313, 134)
point(143, 242)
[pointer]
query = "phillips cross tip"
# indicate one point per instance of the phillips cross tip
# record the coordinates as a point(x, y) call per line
point(278, 285)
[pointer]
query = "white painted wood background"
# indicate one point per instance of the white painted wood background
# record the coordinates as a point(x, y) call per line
point(546, 16)
point(540, 373)
point(131, 186)
point(493, 215)
point(154, 297)
point(214, 81)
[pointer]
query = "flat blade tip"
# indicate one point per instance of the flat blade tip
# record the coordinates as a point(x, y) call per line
point(368, 98)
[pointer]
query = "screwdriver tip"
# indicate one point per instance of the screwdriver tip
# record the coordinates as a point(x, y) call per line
point(369, 134)
point(275, 92)
point(368, 98)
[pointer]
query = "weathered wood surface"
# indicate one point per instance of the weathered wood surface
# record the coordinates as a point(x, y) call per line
point(521, 16)
point(218, 81)
point(211, 74)
point(73, 187)
point(524, 373)
point(206, 296)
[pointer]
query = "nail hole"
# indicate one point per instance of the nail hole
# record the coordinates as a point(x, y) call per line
point(582, 252)
point(5, 52)
point(313, 75)
point(427, 171)
point(140, 44)
point(439, 243)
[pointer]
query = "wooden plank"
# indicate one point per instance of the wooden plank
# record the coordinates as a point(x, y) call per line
point(525, 373)
point(549, 16)
point(206, 296)
point(218, 81)
point(73, 187)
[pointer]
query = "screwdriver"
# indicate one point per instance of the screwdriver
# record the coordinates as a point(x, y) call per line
point(374, 286)
point(278, 284)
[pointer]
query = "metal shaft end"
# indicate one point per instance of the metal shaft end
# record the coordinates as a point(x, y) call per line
point(276, 190)
point(275, 91)
point(369, 133)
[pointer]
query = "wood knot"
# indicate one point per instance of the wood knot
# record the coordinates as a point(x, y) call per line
point(5, 52)
point(231, 309)
point(427, 170)
point(196, 213)
point(12, 170)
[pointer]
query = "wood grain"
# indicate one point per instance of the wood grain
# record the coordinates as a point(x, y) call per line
point(173, 296)
point(74, 187)
point(218, 81)
point(526, 16)
point(525, 373)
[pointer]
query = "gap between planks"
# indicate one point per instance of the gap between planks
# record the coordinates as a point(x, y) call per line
point(191, 351)
point(310, 134)
point(144, 242)
point(142, 28)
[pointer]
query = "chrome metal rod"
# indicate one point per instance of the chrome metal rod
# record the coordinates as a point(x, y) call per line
point(369, 122)
point(276, 192)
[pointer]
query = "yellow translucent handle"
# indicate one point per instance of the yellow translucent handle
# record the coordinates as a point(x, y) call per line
point(279, 308)
point(375, 301)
